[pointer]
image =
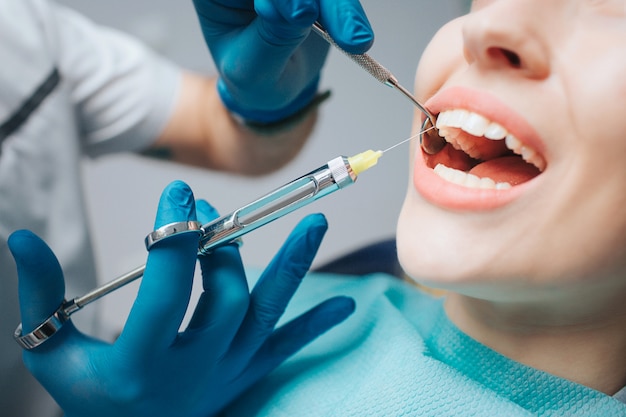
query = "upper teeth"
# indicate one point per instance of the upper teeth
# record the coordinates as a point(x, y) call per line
point(478, 125)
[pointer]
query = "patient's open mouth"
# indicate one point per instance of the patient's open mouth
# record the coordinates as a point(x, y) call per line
point(481, 153)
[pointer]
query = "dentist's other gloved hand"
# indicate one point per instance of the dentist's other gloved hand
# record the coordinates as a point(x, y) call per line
point(268, 59)
point(153, 369)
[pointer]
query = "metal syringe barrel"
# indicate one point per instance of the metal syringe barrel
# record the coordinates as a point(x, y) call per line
point(322, 181)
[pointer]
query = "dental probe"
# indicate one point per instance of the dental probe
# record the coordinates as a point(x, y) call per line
point(338, 173)
point(375, 69)
point(382, 74)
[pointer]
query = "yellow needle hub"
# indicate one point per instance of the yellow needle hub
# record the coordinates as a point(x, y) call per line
point(364, 160)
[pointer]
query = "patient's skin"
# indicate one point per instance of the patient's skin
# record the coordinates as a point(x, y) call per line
point(535, 261)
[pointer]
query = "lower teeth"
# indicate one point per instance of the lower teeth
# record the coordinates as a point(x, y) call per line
point(458, 177)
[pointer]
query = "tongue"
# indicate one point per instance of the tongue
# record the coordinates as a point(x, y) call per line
point(511, 169)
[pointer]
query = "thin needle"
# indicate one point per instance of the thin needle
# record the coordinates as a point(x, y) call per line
point(408, 139)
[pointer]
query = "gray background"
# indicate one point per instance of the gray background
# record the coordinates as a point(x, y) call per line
point(123, 191)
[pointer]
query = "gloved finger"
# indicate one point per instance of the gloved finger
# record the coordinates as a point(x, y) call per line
point(279, 282)
point(294, 335)
point(346, 20)
point(224, 301)
point(286, 70)
point(219, 17)
point(347, 23)
point(41, 284)
point(286, 22)
point(165, 290)
point(206, 213)
point(288, 82)
point(297, 55)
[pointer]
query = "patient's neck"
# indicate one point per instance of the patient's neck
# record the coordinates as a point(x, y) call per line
point(584, 348)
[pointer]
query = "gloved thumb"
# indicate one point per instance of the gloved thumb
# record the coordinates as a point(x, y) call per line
point(41, 284)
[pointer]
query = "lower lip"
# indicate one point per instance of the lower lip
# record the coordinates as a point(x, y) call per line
point(452, 196)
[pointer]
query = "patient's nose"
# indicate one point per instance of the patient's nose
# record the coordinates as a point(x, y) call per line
point(510, 35)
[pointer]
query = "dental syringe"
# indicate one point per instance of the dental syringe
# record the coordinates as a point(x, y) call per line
point(338, 173)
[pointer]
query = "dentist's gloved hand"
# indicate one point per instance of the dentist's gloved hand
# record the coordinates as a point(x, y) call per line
point(153, 369)
point(268, 59)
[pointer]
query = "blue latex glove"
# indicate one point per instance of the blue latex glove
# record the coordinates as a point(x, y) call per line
point(152, 369)
point(268, 60)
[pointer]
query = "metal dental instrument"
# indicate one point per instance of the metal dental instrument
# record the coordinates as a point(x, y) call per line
point(430, 144)
point(338, 173)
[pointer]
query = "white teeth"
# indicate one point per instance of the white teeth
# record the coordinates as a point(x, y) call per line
point(512, 143)
point(478, 125)
point(458, 177)
point(452, 118)
point(528, 154)
point(495, 132)
point(475, 124)
point(532, 157)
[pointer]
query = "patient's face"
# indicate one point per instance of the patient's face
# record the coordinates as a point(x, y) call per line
point(530, 191)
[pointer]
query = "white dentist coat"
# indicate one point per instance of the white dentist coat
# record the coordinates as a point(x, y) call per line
point(100, 92)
